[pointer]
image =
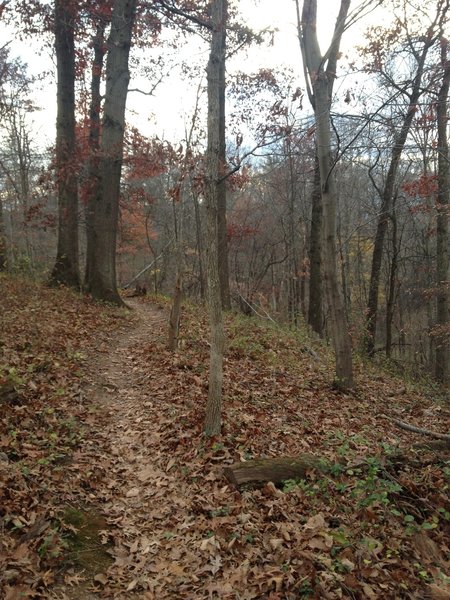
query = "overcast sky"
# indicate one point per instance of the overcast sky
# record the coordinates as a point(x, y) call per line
point(167, 113)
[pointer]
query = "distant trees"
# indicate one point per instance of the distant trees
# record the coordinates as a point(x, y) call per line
point(22, 215)
point(417, 45)
point(442, 365)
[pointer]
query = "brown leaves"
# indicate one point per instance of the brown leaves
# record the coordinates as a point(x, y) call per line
point(44, 345)
point(177, 528)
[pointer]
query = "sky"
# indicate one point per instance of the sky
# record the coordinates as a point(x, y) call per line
point(167, 113)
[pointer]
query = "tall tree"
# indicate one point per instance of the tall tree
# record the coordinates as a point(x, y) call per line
point(320, 71)
point(101, 258)
point(412, 90)
point(224, 276)
point(3, 241)
point(213, 178)
point(194, 12)
point(5, 67)
point(92, 178)
point(66, 268)
point(442, 369)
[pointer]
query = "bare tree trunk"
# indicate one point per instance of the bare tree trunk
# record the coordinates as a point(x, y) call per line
point(390, 303)
point(92, 182)
point(223, 248)
point(66, 268)
point(175, 312)
point(213, 414)
point(315, 311)
point(321, 75)
point(222, 188)
point(3, 241)
point(338, 321)
point(294, 278)
point(101, 269)
point(343, 260)
point(179, 226)
point(199, 242)
point(442, 367)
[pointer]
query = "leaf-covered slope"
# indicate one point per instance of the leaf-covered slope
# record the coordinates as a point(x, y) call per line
point(46, 339)
point(375, 526)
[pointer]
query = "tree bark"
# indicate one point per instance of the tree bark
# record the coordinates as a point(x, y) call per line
point(3, 241)
point(199, 243)
point(390, 303)
point(66, 268)
point(212, 183)
point(262, 470)
point(92, 182)
point(442, 366)
point(321, 74)
point(294, 275)
point(222, 188)
point(101, 269)
point(315, 313)
point(175, 313)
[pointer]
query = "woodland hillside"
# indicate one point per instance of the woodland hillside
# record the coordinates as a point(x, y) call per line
point(225, 284)
point(312, 191)
point(110, 489)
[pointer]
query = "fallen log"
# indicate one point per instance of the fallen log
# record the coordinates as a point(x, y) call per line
point(262, 470)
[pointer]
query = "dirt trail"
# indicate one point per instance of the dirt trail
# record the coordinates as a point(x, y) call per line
point(140, 492)
point(124, 448)
point(176, 529)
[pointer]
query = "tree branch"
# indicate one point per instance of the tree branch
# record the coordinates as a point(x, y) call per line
point(181, 13)
point(420, 430)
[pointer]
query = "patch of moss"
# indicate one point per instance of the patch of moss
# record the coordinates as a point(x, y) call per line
point(84, 542)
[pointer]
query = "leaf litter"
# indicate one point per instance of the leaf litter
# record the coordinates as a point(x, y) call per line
point(104, 419)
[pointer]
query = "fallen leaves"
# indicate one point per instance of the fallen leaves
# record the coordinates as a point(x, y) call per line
point(42, 354)
point(129, 444)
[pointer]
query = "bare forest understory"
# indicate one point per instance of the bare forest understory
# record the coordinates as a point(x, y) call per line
point(110, 490)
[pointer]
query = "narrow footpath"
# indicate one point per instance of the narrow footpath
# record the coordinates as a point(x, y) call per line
point(142, 500)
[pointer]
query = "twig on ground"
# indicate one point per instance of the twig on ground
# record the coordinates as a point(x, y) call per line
point(420, 430)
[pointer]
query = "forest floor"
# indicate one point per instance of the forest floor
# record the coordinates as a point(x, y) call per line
point(110, 490)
